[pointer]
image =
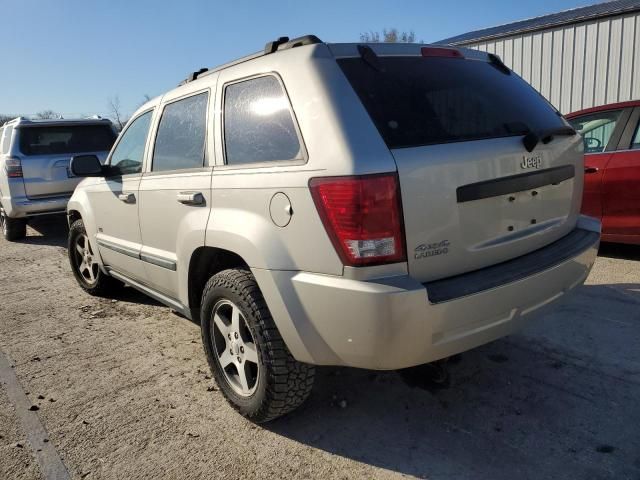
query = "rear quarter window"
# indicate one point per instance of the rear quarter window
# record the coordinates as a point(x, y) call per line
point(258, 123)
point(417, 101)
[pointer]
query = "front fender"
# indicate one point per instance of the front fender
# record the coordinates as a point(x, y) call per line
point(79, 202)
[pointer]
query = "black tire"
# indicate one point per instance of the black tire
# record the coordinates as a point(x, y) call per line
point(12, 228)
point(282, 383)
point(102, 285)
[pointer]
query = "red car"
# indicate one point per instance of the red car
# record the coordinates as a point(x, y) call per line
point(612, 168)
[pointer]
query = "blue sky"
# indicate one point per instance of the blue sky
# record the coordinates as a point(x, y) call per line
point(72, 55)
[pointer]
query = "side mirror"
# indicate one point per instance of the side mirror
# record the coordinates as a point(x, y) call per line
point(86, 166)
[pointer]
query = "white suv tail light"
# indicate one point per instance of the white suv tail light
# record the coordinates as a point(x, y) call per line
point(13, 166)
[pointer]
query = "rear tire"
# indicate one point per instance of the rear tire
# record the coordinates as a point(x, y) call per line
point(84, 265)
point(12, 228)
point(239, 335)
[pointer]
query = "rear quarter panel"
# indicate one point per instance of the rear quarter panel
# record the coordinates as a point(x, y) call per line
point(339, 139)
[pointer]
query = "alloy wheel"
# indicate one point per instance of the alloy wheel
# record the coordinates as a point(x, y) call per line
point(235, 348)
point(85, 259)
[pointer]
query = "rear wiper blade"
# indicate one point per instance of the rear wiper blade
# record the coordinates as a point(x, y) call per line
point(531, 139)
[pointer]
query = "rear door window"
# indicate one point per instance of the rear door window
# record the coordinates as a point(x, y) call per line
point(66, 139)
point(258, 123)
point(596, 129)
point(181, 135)
point(417, 101)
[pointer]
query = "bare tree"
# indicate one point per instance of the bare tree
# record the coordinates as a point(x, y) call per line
point(47, 114)
point(116, 112)
point(370, 37)
point(6, 117)
point(145, 98)
point(388, 36)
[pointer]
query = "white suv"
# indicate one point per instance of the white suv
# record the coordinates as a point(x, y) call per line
point(374, 206)
point(34, 166)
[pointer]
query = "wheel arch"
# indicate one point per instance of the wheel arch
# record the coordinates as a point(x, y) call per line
point(73, 216)
point(205, 262)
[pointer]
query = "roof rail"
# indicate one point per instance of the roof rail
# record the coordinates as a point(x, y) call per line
point(193, 75)
point(271, 47)
point(282, 43)
point(295, 42)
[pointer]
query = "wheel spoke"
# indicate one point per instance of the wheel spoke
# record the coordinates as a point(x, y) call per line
point(79, 248)
point(242, 377)
point(90, 272)
point(235, 319)
point(226, 358)
point(250, 353)
point(82, 267)
point(222, 327)
point(93, 271)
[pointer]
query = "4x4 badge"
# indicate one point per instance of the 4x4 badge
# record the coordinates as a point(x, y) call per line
point(425, 250)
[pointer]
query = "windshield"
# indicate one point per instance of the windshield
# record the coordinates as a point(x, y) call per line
point(66, 139)
point(421, 101)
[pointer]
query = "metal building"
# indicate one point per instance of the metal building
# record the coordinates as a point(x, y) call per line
point(578, 58)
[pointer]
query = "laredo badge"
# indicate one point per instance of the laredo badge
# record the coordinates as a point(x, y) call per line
point(431, 249)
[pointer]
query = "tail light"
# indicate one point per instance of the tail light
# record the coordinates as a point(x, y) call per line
point(363, 217)
point(13, 166)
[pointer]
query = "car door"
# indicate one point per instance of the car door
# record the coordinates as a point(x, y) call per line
point(115, 204)
point(621, 187)
point(175, 192)
point(601, 132)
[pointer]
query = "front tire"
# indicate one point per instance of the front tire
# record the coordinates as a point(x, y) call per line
point(85, 266)
point(248, 358)
point(12, 228)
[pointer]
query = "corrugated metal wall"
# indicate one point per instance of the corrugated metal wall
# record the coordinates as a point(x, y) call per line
point(577, 66)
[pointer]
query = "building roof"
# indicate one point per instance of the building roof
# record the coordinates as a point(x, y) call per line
point(574, 15)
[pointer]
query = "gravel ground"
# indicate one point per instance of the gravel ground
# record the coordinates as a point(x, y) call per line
point(123, 391)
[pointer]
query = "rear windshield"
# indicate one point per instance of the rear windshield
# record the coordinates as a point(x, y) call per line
point(422, 101)
point(65, 139)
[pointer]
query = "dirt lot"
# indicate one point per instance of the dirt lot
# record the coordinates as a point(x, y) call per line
point(123, 391)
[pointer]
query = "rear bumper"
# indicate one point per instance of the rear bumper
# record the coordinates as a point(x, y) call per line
point(20, 207)
point(391, 323)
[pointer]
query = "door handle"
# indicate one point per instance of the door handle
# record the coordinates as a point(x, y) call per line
point(127, 197)
point(588, 169)
point(190, 198)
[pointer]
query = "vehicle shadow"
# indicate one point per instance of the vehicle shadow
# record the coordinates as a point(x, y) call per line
point(620, 250)
point(558, 400)
point(131, 295)
point(47, 230)
point(53, 230)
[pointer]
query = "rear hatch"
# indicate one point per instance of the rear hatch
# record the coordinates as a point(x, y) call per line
point(46, 150)
point(460, 128)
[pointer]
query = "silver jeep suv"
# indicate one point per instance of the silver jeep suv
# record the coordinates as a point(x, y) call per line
point(373, 206)
point(34, 166)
